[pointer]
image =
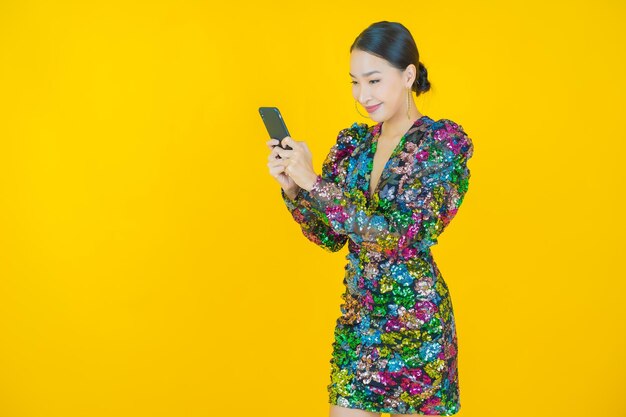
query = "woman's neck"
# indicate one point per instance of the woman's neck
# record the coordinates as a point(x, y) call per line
point(399, 124)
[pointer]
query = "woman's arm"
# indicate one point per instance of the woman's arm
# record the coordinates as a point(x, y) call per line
point(313, 222)
point(429, 201)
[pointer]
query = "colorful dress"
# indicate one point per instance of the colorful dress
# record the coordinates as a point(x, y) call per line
point(395, 345)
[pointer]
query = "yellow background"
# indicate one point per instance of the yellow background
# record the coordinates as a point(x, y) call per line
point(148, 266)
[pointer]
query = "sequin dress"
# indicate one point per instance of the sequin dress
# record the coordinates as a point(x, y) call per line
point(395, 344)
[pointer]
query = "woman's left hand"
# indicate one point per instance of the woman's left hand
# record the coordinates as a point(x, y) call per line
point(298, 163)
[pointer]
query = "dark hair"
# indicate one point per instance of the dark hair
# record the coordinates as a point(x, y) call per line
point(394, 43)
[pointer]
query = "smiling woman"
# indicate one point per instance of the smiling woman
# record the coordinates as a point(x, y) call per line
point(386, 49)
point(388, 190)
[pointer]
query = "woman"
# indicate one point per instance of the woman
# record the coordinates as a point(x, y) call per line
point(388, 190)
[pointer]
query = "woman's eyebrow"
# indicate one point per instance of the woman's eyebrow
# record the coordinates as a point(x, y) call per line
point(365, 74)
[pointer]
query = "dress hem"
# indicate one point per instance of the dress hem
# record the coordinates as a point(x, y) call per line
point(392, 412)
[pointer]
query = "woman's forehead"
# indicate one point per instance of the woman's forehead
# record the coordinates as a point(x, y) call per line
point(363, 64)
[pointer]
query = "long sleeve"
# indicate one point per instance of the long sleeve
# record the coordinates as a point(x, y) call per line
point(313, 222)
point(425, 206)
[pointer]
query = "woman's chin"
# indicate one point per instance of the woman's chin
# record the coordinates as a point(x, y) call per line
point(377, 117)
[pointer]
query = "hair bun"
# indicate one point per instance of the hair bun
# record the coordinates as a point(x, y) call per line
point(421, 83)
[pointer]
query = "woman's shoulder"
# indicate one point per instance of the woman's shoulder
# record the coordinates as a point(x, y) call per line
point(353, 134)
point(450, 136)
point(446, 126)
point(348, 139)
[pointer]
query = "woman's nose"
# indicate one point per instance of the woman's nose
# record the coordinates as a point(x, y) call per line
point(363, 95)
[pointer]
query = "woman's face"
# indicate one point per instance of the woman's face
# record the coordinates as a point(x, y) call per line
point(379, 87)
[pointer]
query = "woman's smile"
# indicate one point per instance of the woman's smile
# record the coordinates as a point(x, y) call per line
point(372, 109)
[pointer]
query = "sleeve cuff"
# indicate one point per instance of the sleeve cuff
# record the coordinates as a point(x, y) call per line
point(324, 192)
point(292, 204)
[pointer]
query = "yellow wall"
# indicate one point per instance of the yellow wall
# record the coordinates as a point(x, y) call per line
point(148, 266)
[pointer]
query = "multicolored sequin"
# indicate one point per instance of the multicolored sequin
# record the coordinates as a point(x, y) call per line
point(395, 345)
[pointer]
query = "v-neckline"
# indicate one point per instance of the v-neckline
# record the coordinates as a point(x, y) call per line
point(372, 153)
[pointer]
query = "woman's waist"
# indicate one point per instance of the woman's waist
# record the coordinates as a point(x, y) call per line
point(414, 277)
point(374, 253)
point(365, 254)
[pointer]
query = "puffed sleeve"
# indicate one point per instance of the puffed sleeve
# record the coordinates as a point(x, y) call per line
point(313, 222)
point(429, 200)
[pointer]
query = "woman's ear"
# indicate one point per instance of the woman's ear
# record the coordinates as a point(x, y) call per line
point(411, 75)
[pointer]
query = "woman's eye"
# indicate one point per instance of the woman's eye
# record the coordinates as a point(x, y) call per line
point(371, 81)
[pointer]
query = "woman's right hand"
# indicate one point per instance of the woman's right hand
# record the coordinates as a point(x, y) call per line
point(277, 169)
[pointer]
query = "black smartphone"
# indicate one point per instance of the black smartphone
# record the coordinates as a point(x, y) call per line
point(274, 124)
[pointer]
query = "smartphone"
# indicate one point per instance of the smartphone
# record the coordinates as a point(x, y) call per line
point(274, 124)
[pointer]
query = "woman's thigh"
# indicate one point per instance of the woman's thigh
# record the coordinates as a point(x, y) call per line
point(338, 411)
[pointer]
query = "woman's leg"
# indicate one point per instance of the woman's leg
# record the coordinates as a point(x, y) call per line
point(338, 411)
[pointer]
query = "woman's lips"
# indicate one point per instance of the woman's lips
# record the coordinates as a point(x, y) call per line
point(372, 109)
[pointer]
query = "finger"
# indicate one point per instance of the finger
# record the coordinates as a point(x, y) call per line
point(287, 140)
point(276, 170)
point(273, 154)
point(275, 162)
point(280, 167)
point(276, 152)
point(284, 153)
point(273, 143)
